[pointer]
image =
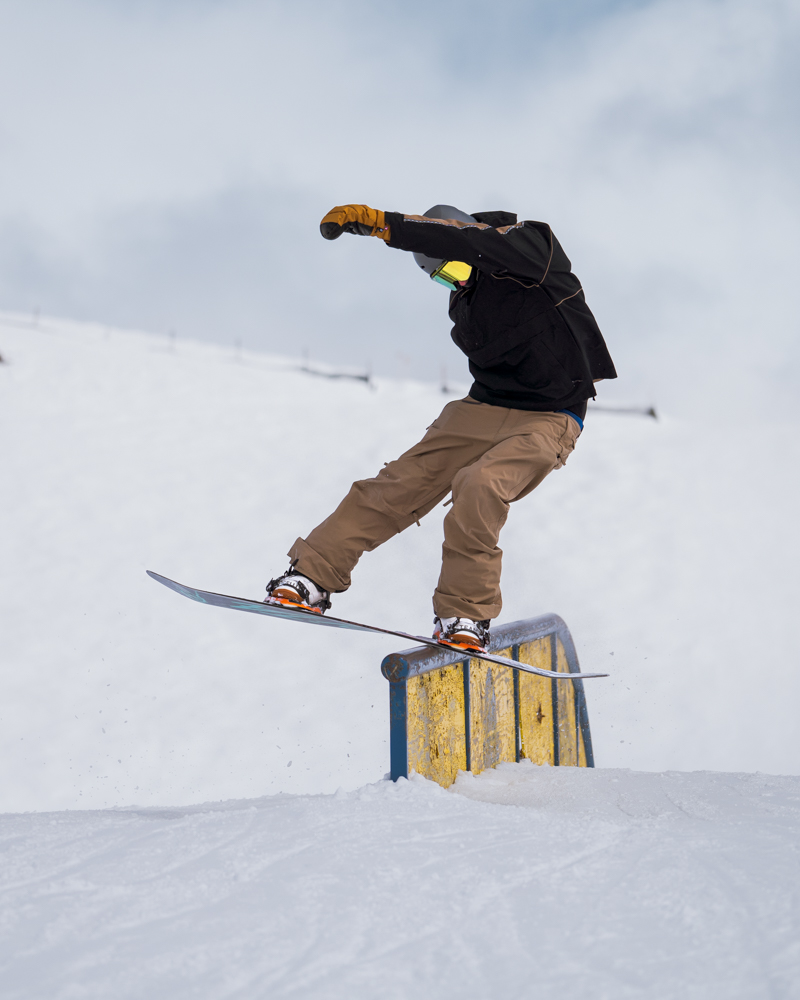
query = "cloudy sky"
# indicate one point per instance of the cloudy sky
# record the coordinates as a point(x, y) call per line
point(164, 165)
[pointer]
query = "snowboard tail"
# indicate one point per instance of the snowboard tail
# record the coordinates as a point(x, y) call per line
point(311, 618)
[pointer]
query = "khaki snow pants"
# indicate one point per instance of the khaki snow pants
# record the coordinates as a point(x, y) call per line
point(489, 456)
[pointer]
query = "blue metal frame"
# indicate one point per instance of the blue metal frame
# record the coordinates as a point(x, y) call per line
point(467, 714)
point(517, 730)
point(554, 702)
point(398, 730)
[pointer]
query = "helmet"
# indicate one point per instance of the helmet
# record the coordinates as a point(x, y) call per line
point(430, 264)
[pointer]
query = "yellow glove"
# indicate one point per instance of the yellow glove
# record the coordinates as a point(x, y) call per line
point(359, 219)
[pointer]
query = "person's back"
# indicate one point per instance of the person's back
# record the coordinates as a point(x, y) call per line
point(521, 318)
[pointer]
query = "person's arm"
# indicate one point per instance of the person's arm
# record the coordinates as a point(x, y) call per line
point(523, 249)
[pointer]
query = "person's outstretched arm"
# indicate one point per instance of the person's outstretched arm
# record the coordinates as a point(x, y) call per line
point(525, 249)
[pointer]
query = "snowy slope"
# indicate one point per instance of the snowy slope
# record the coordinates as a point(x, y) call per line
point(669, 548)
point(524, 882)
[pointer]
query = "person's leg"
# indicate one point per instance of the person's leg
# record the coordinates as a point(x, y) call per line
point(403, 491)
point(536, 443)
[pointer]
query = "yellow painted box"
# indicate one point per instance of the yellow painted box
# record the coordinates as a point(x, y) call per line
point(451, 714)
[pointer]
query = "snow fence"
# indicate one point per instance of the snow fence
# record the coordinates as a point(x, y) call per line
point(451, 714)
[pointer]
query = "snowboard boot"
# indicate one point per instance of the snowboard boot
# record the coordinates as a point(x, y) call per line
point(294, 590)
point(462, 632)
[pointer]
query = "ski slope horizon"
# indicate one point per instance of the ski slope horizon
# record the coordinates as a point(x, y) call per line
point(668, 548)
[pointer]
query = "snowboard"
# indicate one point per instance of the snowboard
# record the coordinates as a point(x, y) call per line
point(326, 621)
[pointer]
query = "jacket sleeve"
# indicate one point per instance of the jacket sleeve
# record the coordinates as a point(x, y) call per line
point(525, 249)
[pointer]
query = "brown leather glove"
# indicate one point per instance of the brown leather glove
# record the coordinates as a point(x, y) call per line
point(359, 219)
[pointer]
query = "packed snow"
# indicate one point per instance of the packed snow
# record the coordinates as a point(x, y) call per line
point(668, 546)
point(523, 881)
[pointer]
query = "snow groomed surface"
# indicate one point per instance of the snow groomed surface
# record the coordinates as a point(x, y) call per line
point(529, 882)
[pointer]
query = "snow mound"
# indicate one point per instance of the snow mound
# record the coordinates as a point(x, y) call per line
point(523, 881)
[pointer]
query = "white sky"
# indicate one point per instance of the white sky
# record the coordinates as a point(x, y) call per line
point(165, 165)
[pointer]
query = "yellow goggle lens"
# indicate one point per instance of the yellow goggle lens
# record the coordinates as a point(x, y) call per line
point(451, 272)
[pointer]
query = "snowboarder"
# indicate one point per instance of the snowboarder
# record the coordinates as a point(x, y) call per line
point(535, 352)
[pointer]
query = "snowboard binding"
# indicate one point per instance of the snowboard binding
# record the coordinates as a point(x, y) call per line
point(462, 633)
point(296, 605)
point(293, 590)
point(468, 647)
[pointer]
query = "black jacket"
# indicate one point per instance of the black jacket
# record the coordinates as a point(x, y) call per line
point(522, 320)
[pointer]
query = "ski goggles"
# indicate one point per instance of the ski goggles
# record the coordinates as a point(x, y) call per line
point(451, 272)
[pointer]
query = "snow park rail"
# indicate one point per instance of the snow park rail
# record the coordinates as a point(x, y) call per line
point(451, 714)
